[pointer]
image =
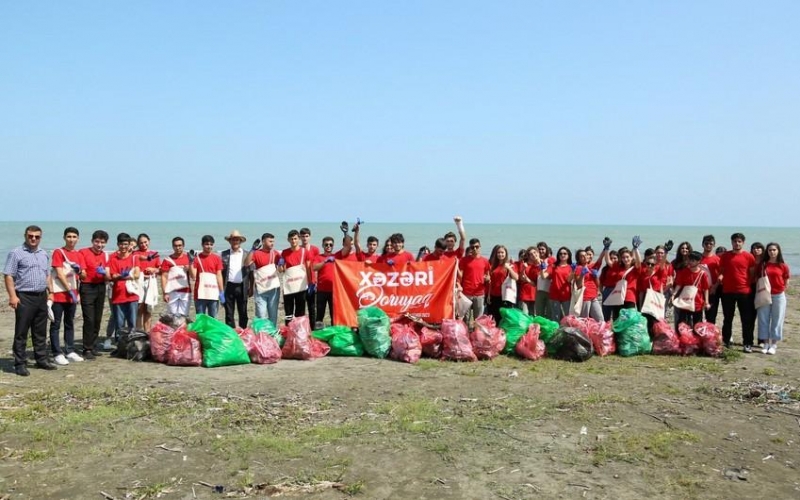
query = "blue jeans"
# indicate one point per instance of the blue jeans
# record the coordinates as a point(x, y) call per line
point(204, 306)
point(559, 310)
point(770, 319)
point(67, 311)
point(267, 304)
point(125, 313)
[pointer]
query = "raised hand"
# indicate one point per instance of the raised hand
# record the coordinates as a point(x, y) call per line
point(543, 266)
point(256, 246)
point(636, 241)
point(668, 245)
point(607, 243)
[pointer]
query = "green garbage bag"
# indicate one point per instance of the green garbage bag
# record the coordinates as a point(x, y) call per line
point(342, 339)
point(264, 325)
point(221, 344)
point(373, 329)
point(548, 329)
point(631, 333)
point(515, 323)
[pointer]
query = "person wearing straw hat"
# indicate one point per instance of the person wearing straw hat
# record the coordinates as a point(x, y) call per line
point(236, 280)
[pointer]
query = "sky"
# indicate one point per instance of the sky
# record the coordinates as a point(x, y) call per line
point(663, 113)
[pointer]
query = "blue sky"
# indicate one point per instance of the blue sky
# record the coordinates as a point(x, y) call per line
point(666, 113)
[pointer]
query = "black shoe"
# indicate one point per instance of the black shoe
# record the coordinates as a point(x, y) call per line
point(46, 365)
point(21, 370)
point(89, 356)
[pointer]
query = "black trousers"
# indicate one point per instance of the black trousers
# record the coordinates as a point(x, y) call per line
point(235, 300)
point(742, 301)
point(31, 314)
point(324, 299)
point(294, 304)
point(691, 318)
point(93, 300)
point(713, 299)
point(311, 302)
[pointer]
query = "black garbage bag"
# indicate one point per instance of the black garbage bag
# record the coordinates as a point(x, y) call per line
point(570, 344)
point(133, 345)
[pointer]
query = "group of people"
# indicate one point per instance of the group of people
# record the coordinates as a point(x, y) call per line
point(44, 286)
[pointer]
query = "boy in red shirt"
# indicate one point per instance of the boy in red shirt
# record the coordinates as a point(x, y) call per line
point(267, 285)
point(371, 256)
point(711, 263)
point(475, 271)
point(207, 276)
point(122, 269)
point(93, 290)
point(175, 271)
point(734, 275)
point(324, 267)
point(67, 266)
point(149, 263)
point(692, 276)
point(450, 251)
point(295, 264)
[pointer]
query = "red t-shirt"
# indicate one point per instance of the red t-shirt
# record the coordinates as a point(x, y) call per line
point(778, 275)
point(398, 258)
point(473, 269)
point(369, 258)
point(297, 257)
point(91, 261)
point(616, 273)
point(324, 273)
point(312, 251)
point(211, 263)
point(143, 263)
point(657, 281)
point(74, 256)
point(589, 283)
point(166, 265)
point(685, 277)
point(352, 257)
point(433, 256)
point(263, 258)
point(458, 253)
point(497, 277)
point(712, 263)
point(527, 291)
point(559, 283)
point(735, 271)
point(119, 292)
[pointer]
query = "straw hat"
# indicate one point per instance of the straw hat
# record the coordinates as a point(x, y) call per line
point(235, 234)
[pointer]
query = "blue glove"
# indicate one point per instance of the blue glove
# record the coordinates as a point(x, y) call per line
point(222, 297)
point(668, 245)
point(192, 255)
point(636, 241)
point(573, 266)
point(330, 259)
point(152, 256)
point(390, 262)
point(311, 288)
point(595, 273)
point(75, 267)
point(584, 271)
point(100, 271)
point(256, 246)
point(125, 272)
point(281, 262)
point(543, 266)
point(607, 243)
point(73, 296)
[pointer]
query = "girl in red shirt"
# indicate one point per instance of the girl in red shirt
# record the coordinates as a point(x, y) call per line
point(587, 276)
point(560, 274)
point(528, 271)
point(771, 316)
point(692, 275)
point(501, 268)
point(626, 268)
point(607, 281)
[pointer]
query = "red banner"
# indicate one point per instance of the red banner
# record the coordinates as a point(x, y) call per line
point(424, 289)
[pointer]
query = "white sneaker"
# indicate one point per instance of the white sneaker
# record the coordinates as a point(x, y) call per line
point(107, 344)
point(764, 348)
point(61, 360)
point(74, 356)
point(772, 349)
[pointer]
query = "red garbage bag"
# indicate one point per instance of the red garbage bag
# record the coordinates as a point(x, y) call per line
point(160, 339)
point(665, 340)
point(406, 345)
point(690, 343)
point(185, 349)
point(431, 342)
point(530, 346)
point(486, 338)
point(710, 338)
point(455, 341)
point(299, 342)
point(602, 338)
point(263, 349)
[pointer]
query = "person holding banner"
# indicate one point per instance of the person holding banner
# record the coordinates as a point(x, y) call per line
point(267, 293)
point(206, 273)
point(371, 256)
point(324, 267)
point(502, 282)
point(149, 263)
point(67, 266)
point(397, 255)
point(439, 251)
point(475, 275)
point(175, 271)
point(295, 265)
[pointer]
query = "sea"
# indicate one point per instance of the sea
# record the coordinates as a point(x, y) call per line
point(513, 236)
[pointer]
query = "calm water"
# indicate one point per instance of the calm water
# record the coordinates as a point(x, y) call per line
point(513, 236)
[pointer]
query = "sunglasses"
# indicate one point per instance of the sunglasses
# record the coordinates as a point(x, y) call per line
point(327, 244)
point(34, 236)
point(650, 264)
point(475, 247)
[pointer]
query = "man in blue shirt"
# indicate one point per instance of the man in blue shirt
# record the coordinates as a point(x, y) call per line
point(26, 272)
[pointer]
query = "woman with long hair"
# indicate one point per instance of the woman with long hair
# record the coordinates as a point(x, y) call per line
point(560, 284)
point(626, 268)
point(607, 281)
point(771, 316)
point(542, 284)
point(586, 276)
point(528, 270)
point(501, 268)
